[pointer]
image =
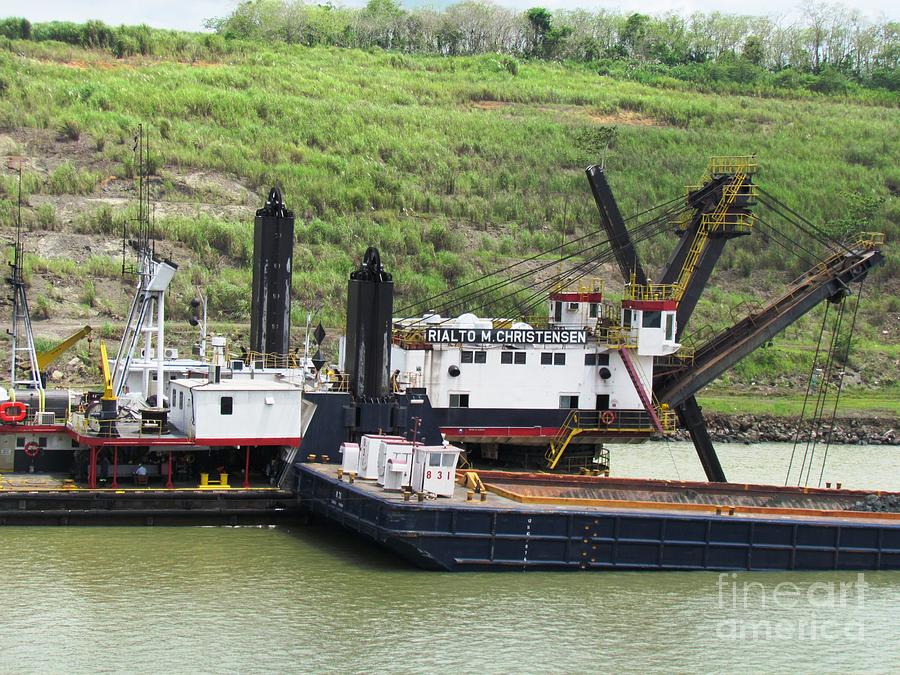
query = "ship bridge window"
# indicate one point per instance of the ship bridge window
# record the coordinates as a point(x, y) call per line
point(559, 359)
point(512, 357)
point(596, 359)
point(226, 405)
point(568, 401)
point(448, 459)
point(626, 318)
point(557, 311)
point(469, 356)
point(652, 319)
point(546, 358)
point(592, 310)
point(459, 400)
point(670, 326)
point(434, 459)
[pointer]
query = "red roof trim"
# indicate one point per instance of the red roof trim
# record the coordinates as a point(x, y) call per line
point(663, 305)
point(577, 297)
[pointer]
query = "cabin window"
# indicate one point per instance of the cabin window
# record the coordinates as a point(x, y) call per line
point(568, 401)
point(226, 405)
point(546, 358)
point(20, 442)
point(447, 459)
point(180, 400)
point(466, 357)
point(512, 357)
point(459, 400)
point(592, 310)
point(590, 359)
point(434, 459)
point(480, 357)
point(652, 319)
point(559, 359)
point(519, 358)
point(670, 326)
point(626, 318)
point(506, 357)
point(473, 357)
point(602, 359)
point(557, 311)
point(42, 441)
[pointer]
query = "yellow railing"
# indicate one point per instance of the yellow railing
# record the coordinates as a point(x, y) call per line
point(739, 221)
point(870, 240)
point(636, 291)
point(746, 164)
point(668, 420)
point(616, 337)
point(270, 360)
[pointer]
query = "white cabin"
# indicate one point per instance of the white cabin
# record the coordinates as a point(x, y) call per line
point(236, 412)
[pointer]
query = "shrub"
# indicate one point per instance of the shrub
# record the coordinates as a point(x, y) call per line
point(89, 293)
point(70, 130)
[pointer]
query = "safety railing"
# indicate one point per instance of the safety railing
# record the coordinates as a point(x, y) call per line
point(616, 337)
point(726, 165)
point(643, 292)
point(270, 360)
point(739, 222)
point(870, 240)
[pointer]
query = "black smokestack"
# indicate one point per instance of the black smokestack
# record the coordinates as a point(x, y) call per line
point(273, 248)
point(370, 304)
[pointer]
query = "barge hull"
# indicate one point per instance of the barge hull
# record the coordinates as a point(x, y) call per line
point(440, 535)
point(141, 507)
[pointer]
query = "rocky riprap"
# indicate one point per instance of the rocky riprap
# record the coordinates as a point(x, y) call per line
point(747, 428)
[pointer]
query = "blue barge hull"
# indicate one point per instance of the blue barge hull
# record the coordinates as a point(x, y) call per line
point(503, 534)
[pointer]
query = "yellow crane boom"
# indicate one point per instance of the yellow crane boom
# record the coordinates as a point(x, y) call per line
point(108, 394)
point(45, 358)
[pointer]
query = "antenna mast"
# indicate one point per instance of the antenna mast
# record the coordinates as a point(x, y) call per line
point(21, 328)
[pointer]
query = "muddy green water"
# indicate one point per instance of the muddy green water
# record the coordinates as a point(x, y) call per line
point(311, 599)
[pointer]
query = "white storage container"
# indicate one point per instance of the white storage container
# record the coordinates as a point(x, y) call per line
point(397, 467)
point(434, 469)
point(350, 457)
point(368, 454)
point(386, 450)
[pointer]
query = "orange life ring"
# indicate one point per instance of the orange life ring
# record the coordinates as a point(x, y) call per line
point(13, 411)
point(607, 417)
point(32, 449)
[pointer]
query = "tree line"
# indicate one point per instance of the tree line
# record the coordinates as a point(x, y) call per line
point(825, 37)
point(830, 48)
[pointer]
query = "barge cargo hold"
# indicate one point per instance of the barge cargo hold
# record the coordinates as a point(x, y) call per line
point(547, 522)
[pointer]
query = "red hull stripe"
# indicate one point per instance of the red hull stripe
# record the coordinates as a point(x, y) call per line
point(522, 432)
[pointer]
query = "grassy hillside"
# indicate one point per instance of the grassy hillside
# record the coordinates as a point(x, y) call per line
point(452, 166)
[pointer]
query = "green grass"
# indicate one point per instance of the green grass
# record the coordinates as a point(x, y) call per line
point(451, 166)
point(883, 403)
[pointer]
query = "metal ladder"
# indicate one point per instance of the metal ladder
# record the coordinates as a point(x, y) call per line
point(642, 394)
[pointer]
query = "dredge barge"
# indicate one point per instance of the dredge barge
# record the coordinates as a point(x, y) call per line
point(555, 522)
point(477, 390)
